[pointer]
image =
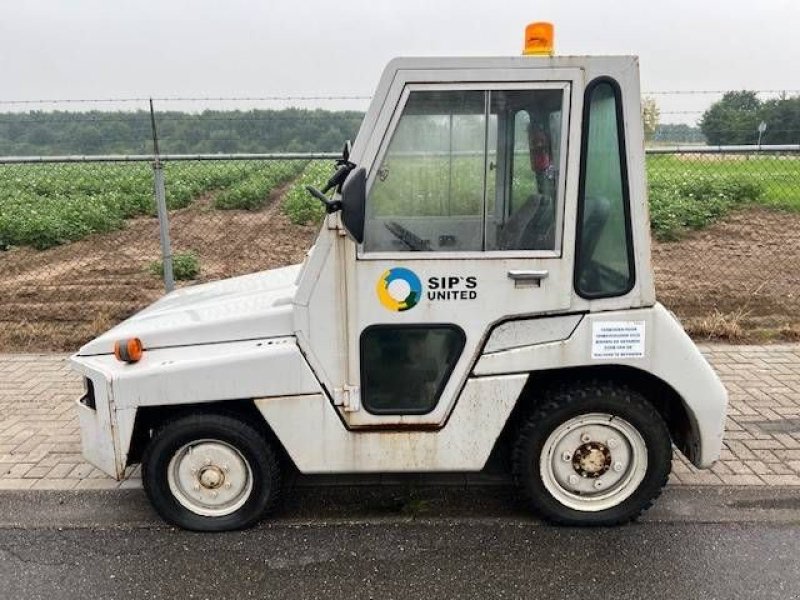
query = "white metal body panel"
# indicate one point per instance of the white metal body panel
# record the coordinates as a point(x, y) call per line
point(669, 354)
point(174, 376)
point(247, 307)
point(98, 436)
point(313, 435)
point(497, 296)
point(529, 332)
point(320, 316)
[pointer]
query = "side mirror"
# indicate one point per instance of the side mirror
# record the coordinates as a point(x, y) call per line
point(354, 200)
point(348, 146)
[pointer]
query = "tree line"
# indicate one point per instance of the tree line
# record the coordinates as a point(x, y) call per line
point(735, 119)
point(99, 132)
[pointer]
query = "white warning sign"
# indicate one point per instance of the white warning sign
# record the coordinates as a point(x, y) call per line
point(617, 339)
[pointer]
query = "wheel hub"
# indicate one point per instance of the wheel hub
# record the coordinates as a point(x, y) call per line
point(211, 477)
point(592, 459)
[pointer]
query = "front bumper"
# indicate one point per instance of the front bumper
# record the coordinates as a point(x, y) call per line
point(96, 420)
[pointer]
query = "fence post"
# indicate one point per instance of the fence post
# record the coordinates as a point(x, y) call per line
point(163, 224)
point(161, 207)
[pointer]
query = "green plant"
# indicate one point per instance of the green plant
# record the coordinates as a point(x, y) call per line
point(44, 205)
point(253, 192)
point(185, 266)
point(696, 202)
point(298, 204)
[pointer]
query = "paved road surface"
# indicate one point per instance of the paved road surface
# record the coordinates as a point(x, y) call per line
point(696, 544)
point(438, 559)
point(40, 446)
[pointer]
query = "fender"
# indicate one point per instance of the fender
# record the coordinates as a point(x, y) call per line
point(668, 353)
point(181, 375)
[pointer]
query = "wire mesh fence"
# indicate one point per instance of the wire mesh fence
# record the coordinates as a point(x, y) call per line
point(80, 239)
point(726, 224)
point(81, 244)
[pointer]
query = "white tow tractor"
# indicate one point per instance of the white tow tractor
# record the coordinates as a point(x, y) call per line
point(481, 287)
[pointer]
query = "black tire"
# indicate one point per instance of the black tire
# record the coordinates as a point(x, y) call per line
point(251, 444)
point(560, 404)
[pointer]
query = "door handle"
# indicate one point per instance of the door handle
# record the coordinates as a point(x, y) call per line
point(527, 278)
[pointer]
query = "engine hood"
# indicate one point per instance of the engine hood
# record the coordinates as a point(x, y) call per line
point(240, 308)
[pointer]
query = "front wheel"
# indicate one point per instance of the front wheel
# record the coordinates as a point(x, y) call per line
point(210, 472)
point(592, 453)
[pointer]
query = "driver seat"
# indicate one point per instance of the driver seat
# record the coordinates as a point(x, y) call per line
point(530, 227)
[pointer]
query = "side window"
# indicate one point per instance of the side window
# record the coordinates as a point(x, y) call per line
point(428, 192)
point(524, 200)
point(470, 170)
point(604, 261)
point(404, 368)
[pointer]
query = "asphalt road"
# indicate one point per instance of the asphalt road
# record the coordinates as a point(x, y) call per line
point(708, 545)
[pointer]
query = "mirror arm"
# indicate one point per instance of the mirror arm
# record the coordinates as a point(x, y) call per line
point(331, 206)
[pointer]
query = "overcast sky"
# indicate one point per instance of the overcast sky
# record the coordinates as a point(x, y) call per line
point(131, 48)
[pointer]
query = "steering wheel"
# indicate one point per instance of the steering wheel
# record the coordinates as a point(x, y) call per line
point(409, 238)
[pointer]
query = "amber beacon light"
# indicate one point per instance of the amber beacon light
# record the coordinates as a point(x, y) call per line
point(539, 39)
point(129, 351)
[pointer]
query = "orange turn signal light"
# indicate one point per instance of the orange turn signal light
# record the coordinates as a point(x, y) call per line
point(129, 351)
point(539, 39)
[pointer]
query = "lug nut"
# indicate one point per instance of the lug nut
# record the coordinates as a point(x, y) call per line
point(598, 484)
point(618, 466)
point(586, 438)
point(208, 461)
point(612, 443)
point(228, 485)
point(573, 480)
point(566, 456)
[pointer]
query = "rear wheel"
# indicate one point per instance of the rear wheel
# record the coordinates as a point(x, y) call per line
point(210, 472)
point(593, 453)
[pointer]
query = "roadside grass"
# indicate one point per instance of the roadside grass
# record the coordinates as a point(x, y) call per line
point(719, 326)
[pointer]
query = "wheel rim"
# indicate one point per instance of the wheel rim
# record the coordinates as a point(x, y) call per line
point(593, 462)
point(211, 478)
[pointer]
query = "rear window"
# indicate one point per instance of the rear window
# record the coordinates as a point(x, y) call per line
point(604, 262)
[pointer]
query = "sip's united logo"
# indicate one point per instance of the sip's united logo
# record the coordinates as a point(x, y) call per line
point(399, 289)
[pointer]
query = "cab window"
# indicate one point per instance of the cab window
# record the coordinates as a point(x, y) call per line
point(523, 176)
point(470, 170)
point(604, 258)
point(404, 368)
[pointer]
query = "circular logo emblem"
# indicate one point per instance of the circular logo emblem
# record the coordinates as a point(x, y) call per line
point(399, 289)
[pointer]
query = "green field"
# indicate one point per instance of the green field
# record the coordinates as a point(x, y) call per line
point(778, 177)
point(692, 191)
point(45, 205)
point(49, 204)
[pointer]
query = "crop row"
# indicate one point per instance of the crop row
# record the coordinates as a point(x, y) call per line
point(50, 204)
